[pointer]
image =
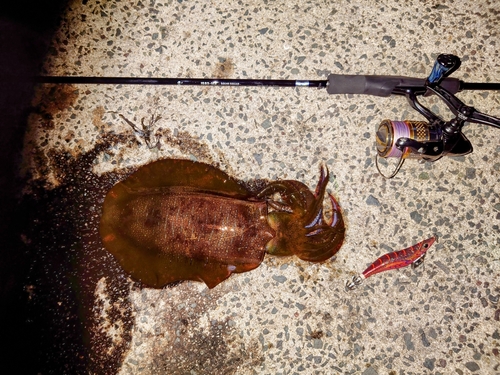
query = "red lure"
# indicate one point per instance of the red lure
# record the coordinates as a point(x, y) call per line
point(413, 255)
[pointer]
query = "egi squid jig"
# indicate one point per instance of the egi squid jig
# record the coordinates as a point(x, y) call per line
point(411, 256)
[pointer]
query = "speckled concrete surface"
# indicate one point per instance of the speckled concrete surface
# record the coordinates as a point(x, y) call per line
point(287, 316)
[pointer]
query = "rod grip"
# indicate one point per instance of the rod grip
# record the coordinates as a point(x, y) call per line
point(380, 85)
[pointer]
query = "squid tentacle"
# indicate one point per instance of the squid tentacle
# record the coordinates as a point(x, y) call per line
point(299, 218)
point(317, 208)
point(323, 237)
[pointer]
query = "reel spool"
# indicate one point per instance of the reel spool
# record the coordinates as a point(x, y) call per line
point(391, 137)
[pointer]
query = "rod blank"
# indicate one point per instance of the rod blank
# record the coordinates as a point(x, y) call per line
point(179, 81)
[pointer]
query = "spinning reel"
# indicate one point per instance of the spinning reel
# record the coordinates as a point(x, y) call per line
point(432, 139)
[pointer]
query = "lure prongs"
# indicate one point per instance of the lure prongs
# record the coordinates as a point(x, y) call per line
point(354, 282)
point(413, 255)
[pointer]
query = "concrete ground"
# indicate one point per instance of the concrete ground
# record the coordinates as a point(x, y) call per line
point(287, 316)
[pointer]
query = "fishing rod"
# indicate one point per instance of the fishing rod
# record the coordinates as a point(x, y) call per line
point(377, 85)
point(425, 140)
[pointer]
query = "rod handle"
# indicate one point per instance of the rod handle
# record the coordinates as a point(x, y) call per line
point(380, 85)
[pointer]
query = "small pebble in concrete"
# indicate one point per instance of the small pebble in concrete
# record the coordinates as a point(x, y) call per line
point(472, 366)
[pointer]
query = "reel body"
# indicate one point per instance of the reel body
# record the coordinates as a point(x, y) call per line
point(418, 140)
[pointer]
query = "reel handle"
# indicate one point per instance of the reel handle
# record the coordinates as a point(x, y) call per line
point(443, 67)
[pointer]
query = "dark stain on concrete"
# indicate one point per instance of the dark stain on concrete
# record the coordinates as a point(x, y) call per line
point(67, 260)
point(224, 68)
